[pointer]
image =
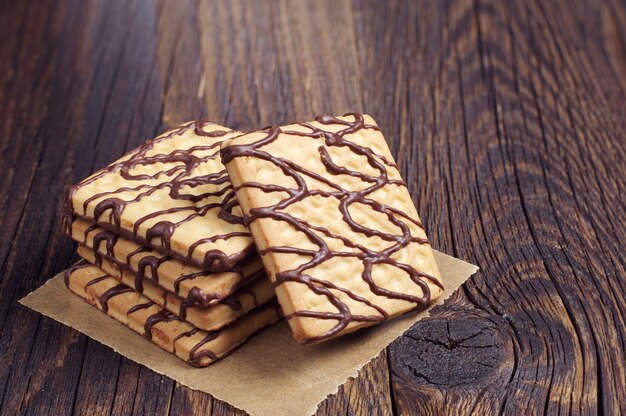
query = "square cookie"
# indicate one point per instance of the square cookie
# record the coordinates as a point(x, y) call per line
point(172, 193)
point(334, 223)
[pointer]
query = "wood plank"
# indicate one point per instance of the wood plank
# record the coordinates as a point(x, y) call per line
point(31, 127)
point(190, 402)
point(521, 209)
point(180, 67)
point(508, 124)
point(47, 360)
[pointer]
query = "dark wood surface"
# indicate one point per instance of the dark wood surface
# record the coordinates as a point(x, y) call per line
point(508, 122)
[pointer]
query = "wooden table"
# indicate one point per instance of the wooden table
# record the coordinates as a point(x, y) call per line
point(508, 122)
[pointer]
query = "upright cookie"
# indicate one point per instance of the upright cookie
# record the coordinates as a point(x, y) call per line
point(196, 286)
point(171, 193)
point(252, 295)
point(334, 224)
point(199, 348)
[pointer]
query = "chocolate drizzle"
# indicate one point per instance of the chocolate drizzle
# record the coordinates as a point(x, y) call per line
point(162, 230)
point(233, 303)
point(345, 198)
point(196, 354)
point(151, 262)
point(162, 316)
point(199, 296)
point(81, 264)
point(110, 239)
point(189, 333)
point(114, 291)
point(96, 280)
point(139, 307)
point(182, 172)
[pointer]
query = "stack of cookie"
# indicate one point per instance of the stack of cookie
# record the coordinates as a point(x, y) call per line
point(164, 247)
point(166, 250)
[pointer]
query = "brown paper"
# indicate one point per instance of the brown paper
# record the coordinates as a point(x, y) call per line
point(269, 375)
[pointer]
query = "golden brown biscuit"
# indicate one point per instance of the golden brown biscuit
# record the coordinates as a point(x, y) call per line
point(199, 348)
point(334, 223)
point(171, 193)
point(253, 294)
point(196, 286)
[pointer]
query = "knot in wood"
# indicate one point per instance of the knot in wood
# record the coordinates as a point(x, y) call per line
point(444, 353)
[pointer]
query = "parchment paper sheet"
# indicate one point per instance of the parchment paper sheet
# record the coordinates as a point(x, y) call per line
point(269, 375)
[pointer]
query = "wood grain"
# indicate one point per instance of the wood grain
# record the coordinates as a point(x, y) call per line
point(507, 119)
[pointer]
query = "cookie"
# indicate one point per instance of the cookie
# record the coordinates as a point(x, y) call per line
point(172, 193)
point(334, 224)
point(196, 286)
point(252, 295)
point(197, 347)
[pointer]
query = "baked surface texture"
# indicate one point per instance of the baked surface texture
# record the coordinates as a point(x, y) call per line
point(197, 347)
point(198, 287)
point(171, 193)
point(334, 224)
